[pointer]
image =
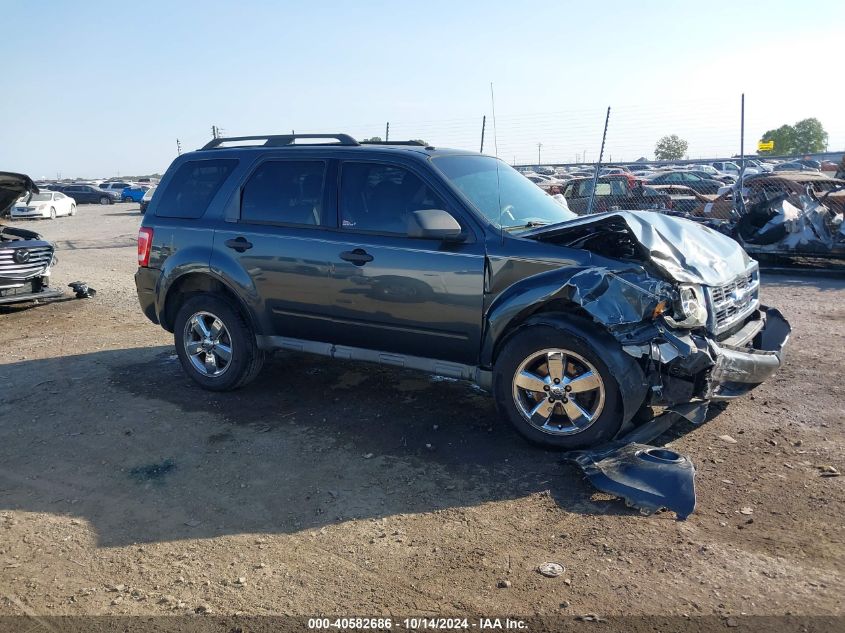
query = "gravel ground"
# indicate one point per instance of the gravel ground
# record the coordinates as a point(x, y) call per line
point(326, 487)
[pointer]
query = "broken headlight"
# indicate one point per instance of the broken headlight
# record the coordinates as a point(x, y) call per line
point(690, 308)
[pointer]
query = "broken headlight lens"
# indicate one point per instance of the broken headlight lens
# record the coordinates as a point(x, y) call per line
point(690, 308)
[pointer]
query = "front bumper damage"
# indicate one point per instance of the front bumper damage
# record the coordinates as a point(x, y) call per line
point(688, 372)
point(686, 367)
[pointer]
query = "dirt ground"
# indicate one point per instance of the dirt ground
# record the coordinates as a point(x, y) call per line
point(331, 488)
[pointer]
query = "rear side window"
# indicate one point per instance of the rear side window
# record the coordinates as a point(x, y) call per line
point(193, 186)
point(285, 192)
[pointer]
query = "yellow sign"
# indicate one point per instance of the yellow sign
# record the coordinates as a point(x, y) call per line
point(765, 146)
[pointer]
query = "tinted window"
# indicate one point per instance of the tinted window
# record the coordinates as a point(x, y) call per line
point(193, 186)
point(380, 198)
point(289, 192)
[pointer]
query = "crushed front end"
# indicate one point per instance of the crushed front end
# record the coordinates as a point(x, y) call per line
point(25, 264)
point(740, 346)
point(25, 258)
point(689, 311)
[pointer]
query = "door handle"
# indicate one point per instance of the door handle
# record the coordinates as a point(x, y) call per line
point(359, 256)
point(240, 244)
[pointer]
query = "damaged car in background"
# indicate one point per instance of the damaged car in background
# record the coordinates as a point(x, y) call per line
point(784, 214)
point(27, 259)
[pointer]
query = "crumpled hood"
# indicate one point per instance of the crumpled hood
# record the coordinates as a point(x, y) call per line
point(682, 249)
point(12, 187)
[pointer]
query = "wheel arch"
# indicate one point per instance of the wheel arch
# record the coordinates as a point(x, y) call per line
point(197, 282)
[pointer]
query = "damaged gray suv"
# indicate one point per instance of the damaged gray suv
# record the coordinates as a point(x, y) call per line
point(452, 263)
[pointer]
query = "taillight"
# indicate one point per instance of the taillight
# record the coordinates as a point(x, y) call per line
point(145, 242)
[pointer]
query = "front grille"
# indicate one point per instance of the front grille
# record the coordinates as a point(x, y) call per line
point(39, 260)
point(732, 302)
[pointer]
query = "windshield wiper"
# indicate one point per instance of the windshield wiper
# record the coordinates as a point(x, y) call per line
point(528, 225)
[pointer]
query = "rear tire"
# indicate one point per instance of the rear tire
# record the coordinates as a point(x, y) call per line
point(587, 414)
point(73, 209)
point(207, 313)
point(105, 200)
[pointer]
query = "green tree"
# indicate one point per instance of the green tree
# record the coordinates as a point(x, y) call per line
point(374, 139)
point(804, 137)
point(671, 148)
point(810, 136)
point(783, 138)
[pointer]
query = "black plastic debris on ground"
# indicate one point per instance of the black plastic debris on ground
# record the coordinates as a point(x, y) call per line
point(649, 478)
point(82, 289)
point(152, 472)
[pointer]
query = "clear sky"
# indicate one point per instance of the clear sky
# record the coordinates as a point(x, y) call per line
point(101, 88)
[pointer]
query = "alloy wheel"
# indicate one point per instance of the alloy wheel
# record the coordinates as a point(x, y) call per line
point(208, 344)
point(558, 392)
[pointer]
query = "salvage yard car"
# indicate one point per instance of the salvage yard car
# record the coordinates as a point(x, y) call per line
point(614, 192)
point(45, 204)
point(145, 199)
point(25, 258)
point(90, 194)
point(452, 263)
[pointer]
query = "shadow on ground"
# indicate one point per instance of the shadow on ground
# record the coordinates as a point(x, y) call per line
point(124, 440)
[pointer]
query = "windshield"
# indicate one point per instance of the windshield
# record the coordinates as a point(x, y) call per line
point(508, 199)
point(41, 197)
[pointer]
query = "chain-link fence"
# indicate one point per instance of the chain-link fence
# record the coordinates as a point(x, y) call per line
point(717, 160)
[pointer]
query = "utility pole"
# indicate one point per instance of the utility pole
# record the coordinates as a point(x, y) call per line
point(387, 132)
point(483, 125)
point(539, 147)
point(214, 132)
point(178, 148)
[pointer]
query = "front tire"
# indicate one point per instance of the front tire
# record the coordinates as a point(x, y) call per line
point(555, 388)
point(216, 344)
point(52, 213)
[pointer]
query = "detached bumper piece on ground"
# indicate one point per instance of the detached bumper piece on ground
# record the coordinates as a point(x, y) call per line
point(82, 290)
point(649, 478)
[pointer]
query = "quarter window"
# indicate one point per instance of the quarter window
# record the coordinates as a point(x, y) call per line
point(285, 192)
point(381, 198)
point(193, 186)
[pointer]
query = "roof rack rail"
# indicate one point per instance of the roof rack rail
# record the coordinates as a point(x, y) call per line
point(281, 140)
point(415, 143)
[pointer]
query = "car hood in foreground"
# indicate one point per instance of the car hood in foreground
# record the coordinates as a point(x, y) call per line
point(12, 187)
point(683, 250)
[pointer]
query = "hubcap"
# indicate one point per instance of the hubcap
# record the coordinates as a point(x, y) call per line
point(558, 392)
point(208, 344)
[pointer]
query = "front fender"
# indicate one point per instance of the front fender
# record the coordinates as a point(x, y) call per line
point(610, 297)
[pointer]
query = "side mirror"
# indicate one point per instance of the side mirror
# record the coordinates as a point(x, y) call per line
point(434, 224)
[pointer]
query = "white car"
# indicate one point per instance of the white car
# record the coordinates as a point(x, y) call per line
point(47, 204)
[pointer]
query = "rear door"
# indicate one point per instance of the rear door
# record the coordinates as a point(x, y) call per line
point(278, 241)
point(395, 293)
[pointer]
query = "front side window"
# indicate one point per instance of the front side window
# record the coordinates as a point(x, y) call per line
point(381, 198)
point(193, 186)
point(285, 192)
